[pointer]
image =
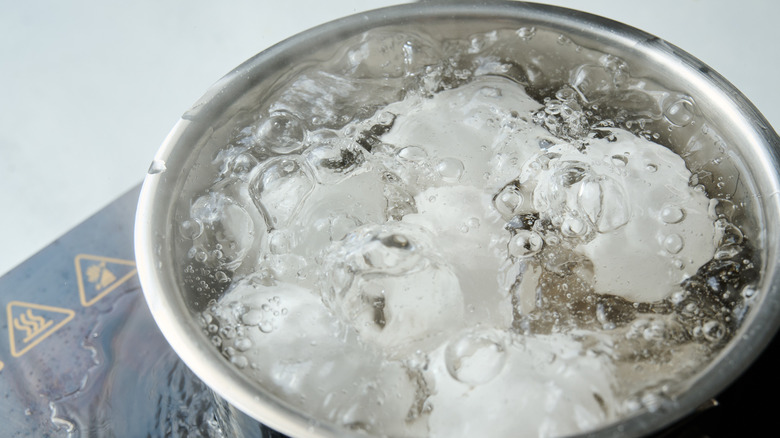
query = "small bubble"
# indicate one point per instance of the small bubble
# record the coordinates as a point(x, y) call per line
point(476, 357)
point(266, 326)
point(242, 164)
point(228, 332)
point(213, 328)
point(552, 108)
point(221, 277)
point(508, 201)
point(680, 113)
point(563, 40)
point(239, 361)
point(566, 94)
point(191, 229)
point(473, 223)
point(242, 344)
point(216, 341)
point(289, 166)
point(450, 169)
point(525, 243)
point(490, 92)
point(252, 317)
point(652, 168)
point(385, 118)
point(526, 33)
point(713, 331)
point(412, 153)
point(673, 243)
point(279, 242)
point(672, 214)
point(619, 160)
point(282, 133)
point(201, 255)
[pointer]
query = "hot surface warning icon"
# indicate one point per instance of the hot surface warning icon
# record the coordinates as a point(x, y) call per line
point(29, 324)
point(98, 276)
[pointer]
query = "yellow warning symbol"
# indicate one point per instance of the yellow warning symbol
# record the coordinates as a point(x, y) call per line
point(98, 276)
point(29, 324)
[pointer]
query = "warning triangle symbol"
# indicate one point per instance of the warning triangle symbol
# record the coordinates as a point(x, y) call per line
point(98, 276)
point(29, 324)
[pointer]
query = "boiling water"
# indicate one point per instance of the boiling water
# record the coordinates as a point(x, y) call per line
point(392, 246)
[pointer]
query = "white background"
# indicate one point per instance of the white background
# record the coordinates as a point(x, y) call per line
point(90, 88)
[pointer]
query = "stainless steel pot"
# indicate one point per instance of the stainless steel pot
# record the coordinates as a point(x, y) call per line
point(751, 148)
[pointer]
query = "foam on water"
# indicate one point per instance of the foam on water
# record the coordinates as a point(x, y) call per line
point(451, 247)
point(546, 383)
